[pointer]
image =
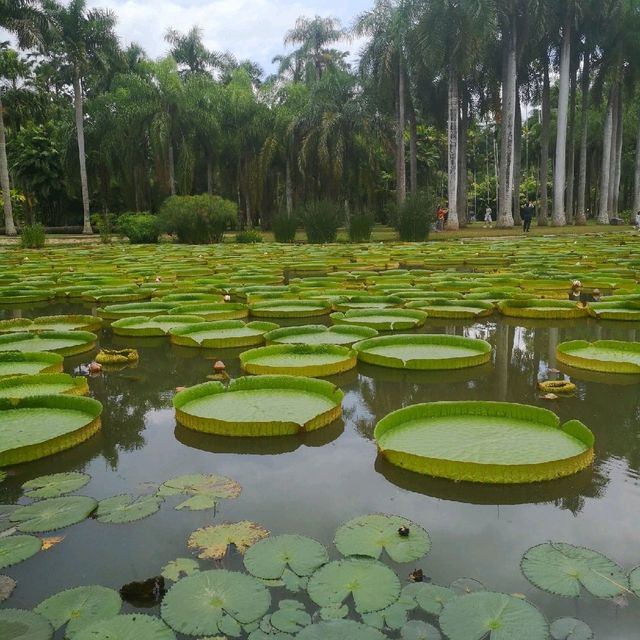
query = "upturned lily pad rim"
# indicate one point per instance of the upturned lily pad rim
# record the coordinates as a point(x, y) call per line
point(87, 340)
point(545, 308)
point(569, 353)
point(182, 335)
point(77, 386)
point(133, 326)
point(411, 318)
point(278, 336)
point(52, 362)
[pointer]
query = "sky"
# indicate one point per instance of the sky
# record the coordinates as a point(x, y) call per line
point(248, 28)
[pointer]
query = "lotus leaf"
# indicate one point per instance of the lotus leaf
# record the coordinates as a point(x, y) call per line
point(269, 558)
point(370, 535)
point(80, 607)
point(419, 630)
point(174, 569)
point(14, 549)
point(634, 581)
point(372, 584)
point(130, 627)
point(340, 630)
point(495, 616)
point(55, 484)
point(126, 508)
point(570, 629)
point(214, 540)
point(20, 624)
point(563, 569)
point(54, 513)
point(198, 604)
point(205, 490)
point(429, 597)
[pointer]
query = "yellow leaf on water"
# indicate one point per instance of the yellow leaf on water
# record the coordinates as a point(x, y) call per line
point(47, 543)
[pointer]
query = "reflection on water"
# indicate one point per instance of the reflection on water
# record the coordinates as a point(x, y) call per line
point(311, 483)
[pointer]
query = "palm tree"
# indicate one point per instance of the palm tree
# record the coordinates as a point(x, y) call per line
point(189, 52)
point(87, 40)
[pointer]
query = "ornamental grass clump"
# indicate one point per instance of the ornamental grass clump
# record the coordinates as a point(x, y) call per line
point(197, 219)
point(33, 237)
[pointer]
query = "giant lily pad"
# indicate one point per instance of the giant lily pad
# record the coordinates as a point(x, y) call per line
point(213, 310)
point(146, 326)
point(495, 616)
point(214, 541)
point(55, 484)
point(440, 308)
point(402, 539)
point(66, 343)
point(340, 630)
point(260, 406)
point(80, 607)
point(20, 624)
point(495, 442)
point(52, 323)
point(130, 627)
point(134, 309)
point(289, 309)
point(205, 490)
point(126, 508)
point(563, 569)
point(55, 513)
point(547, 309)
point(39, 426)
point(199, 604)
point(14, 549)
point(43, 384)
point(17, 363)
point(343, 335)
point(382, 319)
point(372, 584)
point(222, 334)
point(618, 310)
point(608, 356)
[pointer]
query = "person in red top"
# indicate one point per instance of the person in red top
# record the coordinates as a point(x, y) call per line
point(440, 215)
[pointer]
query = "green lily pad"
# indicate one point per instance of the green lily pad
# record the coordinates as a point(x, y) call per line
point(289, 618)
point(5, 513)
point(14, 549)
point(15, 363)
point(269, 558)
point(80, 607)
point(43, 384)
point(334, 613)
point(372, 584)
point(199, 603)
point(214, 541)
point(370, 535)
point(126, 508)
point(462, 586)
point(570, 629)
point(175, 569)
point(7, 585)
point(130, 627)
point(495, 616)
point(55, 513)
point(419, 630)
point(562, 569)
point(205, 490)
point(55, 484)
point(429, 597)
point(340, 630)
point(634, 581)
point(20, 624)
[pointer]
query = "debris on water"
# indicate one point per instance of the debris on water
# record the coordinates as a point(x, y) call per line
point(549, 396)
point(144, 594)
point(417, 575)
point(403, 532)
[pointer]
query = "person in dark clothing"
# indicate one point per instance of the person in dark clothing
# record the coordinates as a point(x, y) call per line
point(527, 215)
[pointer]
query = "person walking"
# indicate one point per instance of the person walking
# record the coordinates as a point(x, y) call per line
point(488, 219)
point(527, 214)
point(440, 217)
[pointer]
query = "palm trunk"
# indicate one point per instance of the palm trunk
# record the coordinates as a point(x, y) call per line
point(581, 214)
point(9, 226)
point(571, 157)
point(413, 150)
point(612, 157)
point(402, 169)
point(517, 161)
point(603, 213)
point(84, 185)
point(209, 177)
point(617, 162)
point(543, 214)
point(462, 163)
point(172, 169)
point(558, 218)
point(636, 184)
point(288, 189)
point(453, 149)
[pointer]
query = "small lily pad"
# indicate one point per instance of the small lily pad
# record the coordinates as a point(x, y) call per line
point(290, 619)
point(175, 569)
point(130, 627)
point(419, 630)
point(7, 585)
point(429, 597)
point(126, 508)
point(15, 549)
point(340, 630)
point(562, 569)
point(634, 581)
point(20, 624)
point(55, 484)
point(205, 490)
point(402, 539)
point(463, 586)
point(80, 607)
point(5, 514)
point(570, 629)
point(334, 613)
point(214, 540)
point(54, 513)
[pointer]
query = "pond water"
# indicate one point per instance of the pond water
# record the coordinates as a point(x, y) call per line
point(311, 484)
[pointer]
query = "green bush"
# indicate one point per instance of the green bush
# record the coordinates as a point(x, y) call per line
point(415, 217)
point(284, 227)
point(321, 221)
point(140, 228)
point(32, 236)
point(105, 223)
point(360, 227)
point(248, 237)
point(197, 219)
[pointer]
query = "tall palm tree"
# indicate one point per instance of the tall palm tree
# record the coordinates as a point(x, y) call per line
point(189, 52)
point(87, 40)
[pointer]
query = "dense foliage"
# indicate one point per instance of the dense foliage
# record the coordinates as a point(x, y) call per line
point(140, 228)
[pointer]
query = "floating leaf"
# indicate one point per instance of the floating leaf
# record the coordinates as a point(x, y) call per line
point(197, 604)
point(370, 535)
point(372, 584)
point(419, 630)
point(205, 489)
point(7, 585)
point(570, 629)
point(495, 616)
point(214, 540)
point(174, 569)
point(20, 624)
point(5, 513)
point(562, 569)
point(634, 581)
point(334, 613)
point(51, 541)
point(55, 485)
point(290, 618)
point(15, 549)
point(80, 607)
point(340, 630)
point(259, 634)
point(126, 508)
point(429, 597)
point(463, 586)
point(131, 627)
point(269, 558)
point(54, 513)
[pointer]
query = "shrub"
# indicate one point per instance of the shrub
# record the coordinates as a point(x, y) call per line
point(197, 219)
point(284, 227)
point(360, 227)
point(321, 221)
point(415, 217)
point(248, 237)
point(140, 228)
point(33, 236)
point(105, 223)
